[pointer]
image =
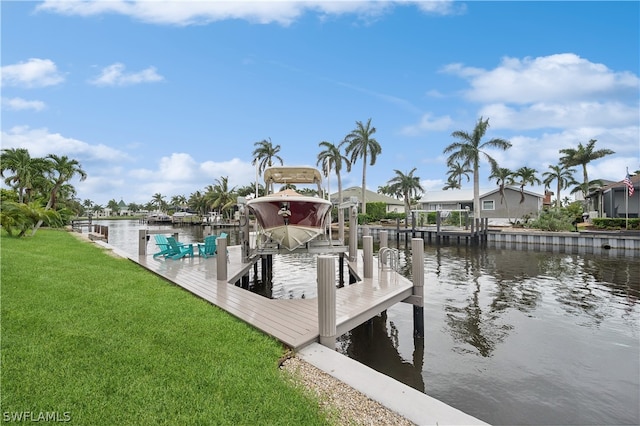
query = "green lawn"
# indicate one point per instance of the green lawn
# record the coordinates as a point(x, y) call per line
point(107, 342)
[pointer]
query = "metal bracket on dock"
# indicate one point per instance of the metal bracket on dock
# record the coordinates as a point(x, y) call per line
point(388, 259)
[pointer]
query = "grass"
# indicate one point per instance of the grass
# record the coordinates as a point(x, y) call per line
point(107, 342)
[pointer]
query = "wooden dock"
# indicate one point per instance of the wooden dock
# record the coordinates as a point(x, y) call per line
point(292, 322)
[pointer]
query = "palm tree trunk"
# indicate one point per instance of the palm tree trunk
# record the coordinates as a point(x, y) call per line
point(340, 211)
point(47, 207)
point(364, 184)
point(476, 191)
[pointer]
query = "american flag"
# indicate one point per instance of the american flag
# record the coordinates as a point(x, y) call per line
point(627, 181)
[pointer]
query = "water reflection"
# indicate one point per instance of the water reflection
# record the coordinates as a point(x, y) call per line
point(376, 345)
point(512, 336)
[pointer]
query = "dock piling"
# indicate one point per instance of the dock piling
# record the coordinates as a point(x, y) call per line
point(221, 243)
point(327, 301)
point(142, 242)
point(384, 239)
point(367, 248)
point(417, 277)
point(353, 234)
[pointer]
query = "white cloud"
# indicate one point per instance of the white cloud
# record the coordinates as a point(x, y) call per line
point(35, 72)
point(560, 115)
point(262, 12)
point(40, 142)
point(115, 75)
point(432, 184)
point(544, 150)
point(181, 174)
point(428, 123)
point(555, 78)
point(19, 104)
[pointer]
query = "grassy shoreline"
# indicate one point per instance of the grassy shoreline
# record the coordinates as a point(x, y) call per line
point(107, 342)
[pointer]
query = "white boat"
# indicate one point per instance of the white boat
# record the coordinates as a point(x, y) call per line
point(182, 217)
point(288, 217)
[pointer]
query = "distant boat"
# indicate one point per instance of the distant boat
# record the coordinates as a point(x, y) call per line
point(158, 218)
point(185, 217)
point(287, 217)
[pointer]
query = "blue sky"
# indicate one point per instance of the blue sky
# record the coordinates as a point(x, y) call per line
point(167, 97)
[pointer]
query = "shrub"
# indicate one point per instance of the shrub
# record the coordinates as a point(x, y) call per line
point(553, 220)
point(615, 223)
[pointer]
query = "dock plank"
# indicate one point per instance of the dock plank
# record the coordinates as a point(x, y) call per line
point(294, 322)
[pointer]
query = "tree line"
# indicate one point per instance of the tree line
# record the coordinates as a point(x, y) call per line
point(41, 185)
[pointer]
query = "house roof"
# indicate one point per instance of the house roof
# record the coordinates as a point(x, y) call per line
point(635, 180)
point(465, 195)
point(372, 197)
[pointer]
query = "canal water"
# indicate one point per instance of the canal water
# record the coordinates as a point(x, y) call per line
point(513, 336)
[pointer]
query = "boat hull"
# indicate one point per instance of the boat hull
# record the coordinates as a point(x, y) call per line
point(291, 220)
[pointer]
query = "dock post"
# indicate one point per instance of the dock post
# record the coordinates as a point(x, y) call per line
point(367, 248)
point(142, 242)
point(353, 235)
point(221, 258)
point(384, 239)
point(413, 224)
point(438, 222)
point(327, 301)
point(244, 234)
point(417, 277)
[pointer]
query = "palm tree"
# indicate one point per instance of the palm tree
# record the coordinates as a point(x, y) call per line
point(97, 208)
point(582, 156)
point(264, 154)
point(87, 204)
point(179, 200)
point(63, 169)
point(198, 203)
point(25, 169)
point(563, 176)
point(158, 201)
point(523, 176)
point(332, 158)
point(24, 216)
point(407, 186)
point(451, 184)
point(468, 151)
point(457, 171)
point(503, 177)
point(220, 196)
point(250, 189)
point(113, 205)
point(361, 144)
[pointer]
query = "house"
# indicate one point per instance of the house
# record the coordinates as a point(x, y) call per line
point(123, 209)
point(613, 200)
point(493, 206)
point(393, 205)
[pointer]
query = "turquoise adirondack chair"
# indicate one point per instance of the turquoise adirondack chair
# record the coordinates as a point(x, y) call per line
point(178, 250)
point(208, 248)
point(163, 245)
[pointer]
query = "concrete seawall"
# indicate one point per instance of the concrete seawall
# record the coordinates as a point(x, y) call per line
point(591, 242)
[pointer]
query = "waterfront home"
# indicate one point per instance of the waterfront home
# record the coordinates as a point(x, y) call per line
point(393, 205)
point(613, 200)
point(498, 209)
